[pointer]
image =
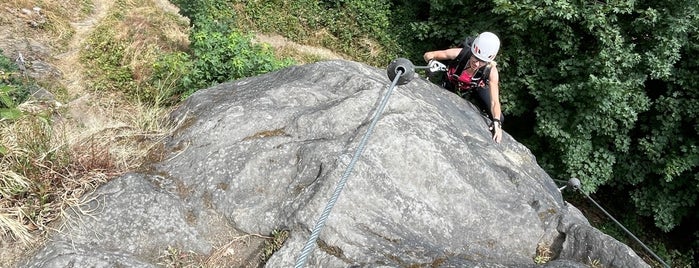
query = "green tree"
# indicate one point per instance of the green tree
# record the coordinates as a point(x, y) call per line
point(613, 100)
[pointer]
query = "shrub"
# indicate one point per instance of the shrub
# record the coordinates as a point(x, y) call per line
point(105, 59)
point(223, 56)
point(217, 53)
point(12, 89)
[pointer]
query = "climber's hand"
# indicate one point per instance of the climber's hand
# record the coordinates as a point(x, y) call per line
point(496, 129)
point(436, 66)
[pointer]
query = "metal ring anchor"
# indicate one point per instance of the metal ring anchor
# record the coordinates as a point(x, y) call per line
point(402, 67)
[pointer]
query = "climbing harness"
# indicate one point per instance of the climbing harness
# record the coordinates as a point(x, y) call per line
point(400, 72)
point(484, 47)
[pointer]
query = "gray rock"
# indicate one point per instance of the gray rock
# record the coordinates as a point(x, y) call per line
point(266, 153)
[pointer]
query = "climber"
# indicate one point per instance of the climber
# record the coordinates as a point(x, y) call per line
point(471, 69)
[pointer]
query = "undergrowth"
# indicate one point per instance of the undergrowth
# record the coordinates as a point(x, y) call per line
point(359, 29)
point(132, 53)
point(218, 51)
point(41, 175)
point(121, 52)
point(12, 90)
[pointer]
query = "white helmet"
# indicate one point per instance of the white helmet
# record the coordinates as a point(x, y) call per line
point(486, 46)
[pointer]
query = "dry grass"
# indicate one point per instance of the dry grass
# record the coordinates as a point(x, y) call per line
point(46, 170)
point(54, 155)
point(174, 257)
point(222, 256)
point(241, 250)
point(49, 21)
point(43, 174)
point(148, 33)
point(301, 53)
point(543, 254)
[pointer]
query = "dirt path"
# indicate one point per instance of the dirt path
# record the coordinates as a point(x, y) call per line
point(68, 63)
point(280, 43)
point(81, 110)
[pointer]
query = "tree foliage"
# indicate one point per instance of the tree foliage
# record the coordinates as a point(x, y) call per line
point(605, 91)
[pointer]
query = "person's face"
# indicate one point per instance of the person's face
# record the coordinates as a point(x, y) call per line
point(475, 63)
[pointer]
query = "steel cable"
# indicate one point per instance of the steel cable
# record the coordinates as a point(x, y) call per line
point(320, 223)
point(575, 184)
point(627, 231)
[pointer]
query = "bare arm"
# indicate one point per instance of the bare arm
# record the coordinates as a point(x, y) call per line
point(494, 104)
point(447, 54)
point(494, 84)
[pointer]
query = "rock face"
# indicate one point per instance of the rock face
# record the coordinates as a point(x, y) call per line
point(266, 153)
